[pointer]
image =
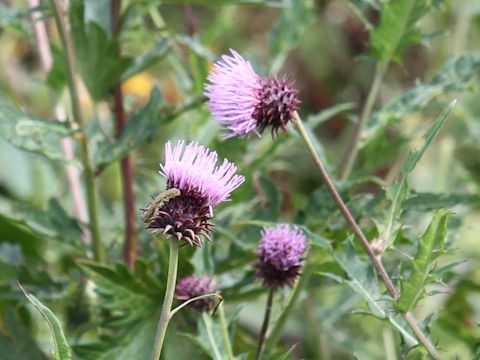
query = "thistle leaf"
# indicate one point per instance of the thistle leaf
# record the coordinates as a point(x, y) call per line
point(397, 28)
point(430, 245)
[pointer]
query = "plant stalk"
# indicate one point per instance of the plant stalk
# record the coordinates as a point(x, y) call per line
point(130, 249)
point(208, 326)
point(276, 331)
point(46, 58)
point(354, 145)
point(376, 260)
point(97, 248)
point(167, 301)
point(432, 351)
point(226, 336)
point(263, 330)
point(344, 209)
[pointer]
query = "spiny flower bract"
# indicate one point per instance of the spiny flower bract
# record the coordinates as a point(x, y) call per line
point(243, 102)
point(280, 255)
point(193, 286)
point(202, 184)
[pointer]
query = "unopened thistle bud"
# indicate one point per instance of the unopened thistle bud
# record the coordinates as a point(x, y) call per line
point(195, 184)
point(244, 102)
point(280, 255)
point(192, 286)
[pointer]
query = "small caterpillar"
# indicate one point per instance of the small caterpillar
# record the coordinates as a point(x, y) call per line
point(160, 200)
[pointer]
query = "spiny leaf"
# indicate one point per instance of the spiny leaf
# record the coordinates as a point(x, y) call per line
point(429, 247)
point(431, 201)
point(415, 156)
point(32, 134)
point(398, 193)
point(62, 350)
point(361, 278)
point(397, 28)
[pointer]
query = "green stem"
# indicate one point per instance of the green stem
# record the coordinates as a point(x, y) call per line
point(189, 301)
point(208, 326)
point(276, 331)
point(167, 301)
point(374, 258)
point(354, 144)
point(226, 336)
point(263, 330)
point(83, 141)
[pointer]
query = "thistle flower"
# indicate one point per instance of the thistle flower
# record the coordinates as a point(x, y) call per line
point(193, 286)
point(244, 102)
point(280, 255)
point(195, 184)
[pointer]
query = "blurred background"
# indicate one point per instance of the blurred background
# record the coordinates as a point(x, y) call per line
point(325, 47)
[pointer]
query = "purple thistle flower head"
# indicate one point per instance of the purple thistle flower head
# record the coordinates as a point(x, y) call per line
point(193, 286)
point(242, 101)
point(193, 168)
point(195, 184)
point(280, 255)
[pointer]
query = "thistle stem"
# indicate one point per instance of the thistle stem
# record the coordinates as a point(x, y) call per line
point(167, 301)
point(263, 330)
point(226, 336)
point(83, 141)
point(354, 145)
point(376, 260)
point(130, 249)
point(276, 331)
point(344, 209)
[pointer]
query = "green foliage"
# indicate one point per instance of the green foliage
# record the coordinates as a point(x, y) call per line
point(97, 54)
point(362, 279)
point(152, 56)
point(62, 349)
point(140, 128)
point(397, 28)
point(398, 193)
point(13, 20)
point(454, 77)
point(430, 247)
point(296, 16)
point(32, 134)
point(17, 343)
point(161, 54)
point(50, 222)
point(131, 302)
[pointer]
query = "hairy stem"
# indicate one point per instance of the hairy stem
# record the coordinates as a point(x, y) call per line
point(276, 331)
point(167, 301)
point(226, 336)
point(354, 144)
point(263, 330)
point(130, 249)
point(432, 351)
point(97, 248)
point(375, 259)
point(344, 209)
